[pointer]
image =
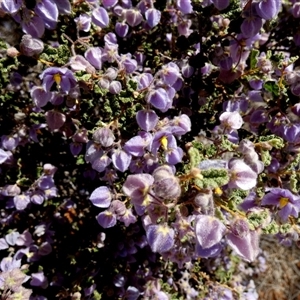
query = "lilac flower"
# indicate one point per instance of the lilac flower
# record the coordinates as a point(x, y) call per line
point(137, 187)
point(79, 63)
point(100, 164)
point(166, 141)
point(109, 3)
point(4, 155)
point(100, 17)
point(21, 201)
point(39, 96)
point(47, 10)
point(242, 176)
point(136, 145)
point(160, 237)
point(121, 29)
point(32, 24)
point(101, 197)
point(129, 64)
point(121, 159)
point(94, 57)
point(106, 219)
point(11, 6)
point(104, 136)
point(63, 77)
point(152, 16)
point(64, 6)
point(147, 119)
point(83, 22)
point(133, 17)
point(55, 119)
point(10, 143)
point(10, 263)
point(209, 231)
point(169, 73)
point(221, 4)
point(184, 6)
point(115, 87)
point(251, 24)
point(288, 204)
point(166, 185)
point(243, 240)
point(231, 120)
point(30, 46)
point(39, 279)
point(268, 9)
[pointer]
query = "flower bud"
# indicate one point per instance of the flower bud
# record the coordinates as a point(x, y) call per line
point(104, 136)
point(31, 46)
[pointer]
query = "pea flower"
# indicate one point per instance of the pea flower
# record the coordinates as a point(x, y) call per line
point(242, 176)
point(160, 237)
point(231, 120)
point(288, 203)
point(63, 77)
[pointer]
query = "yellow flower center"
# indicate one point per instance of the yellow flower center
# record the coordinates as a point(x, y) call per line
point(57, 78)
point(283, 202)
point(164, 142)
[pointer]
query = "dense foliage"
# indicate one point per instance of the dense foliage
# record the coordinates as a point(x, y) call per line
point(146, 146)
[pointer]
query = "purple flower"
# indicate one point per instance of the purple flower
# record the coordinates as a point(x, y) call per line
point(64, 6)
point(79, 63)
point(121, 159)
point(159, 98)
point(153, 17)
point(100, 17)
point(133, 17)
point(107, 219)
point(83, 22)
point(243, 240)
point(251, 26)
point(231, 120)
point(11, 6)
point(241, 175)
point(169, 73)
point(101, 197)
point(30, 46)
point(94, 57)
point(32, 24)
point(160, 237)
point(288, 204)
point(268, 9)
point(63, 77)
point(164, 140)
point(115, 87)
point(100, 164)
point(184, 6)
point(137, 187)
point(221, 4)
point(47, 10)
point(104, 136)
point(55, 119)
point(39, 279)
point(166, 185)
point(39, 96)
point(4, 155)
point(209, 231)
point(121, 29)
point(21, 201)
point(147, 119)
point(136, 145)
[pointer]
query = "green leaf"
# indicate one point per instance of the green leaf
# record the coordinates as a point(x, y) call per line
point(212, 178)
point(272, 87)
point(253, 58)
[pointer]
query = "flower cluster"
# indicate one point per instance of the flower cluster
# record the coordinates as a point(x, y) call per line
point(139, 132)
